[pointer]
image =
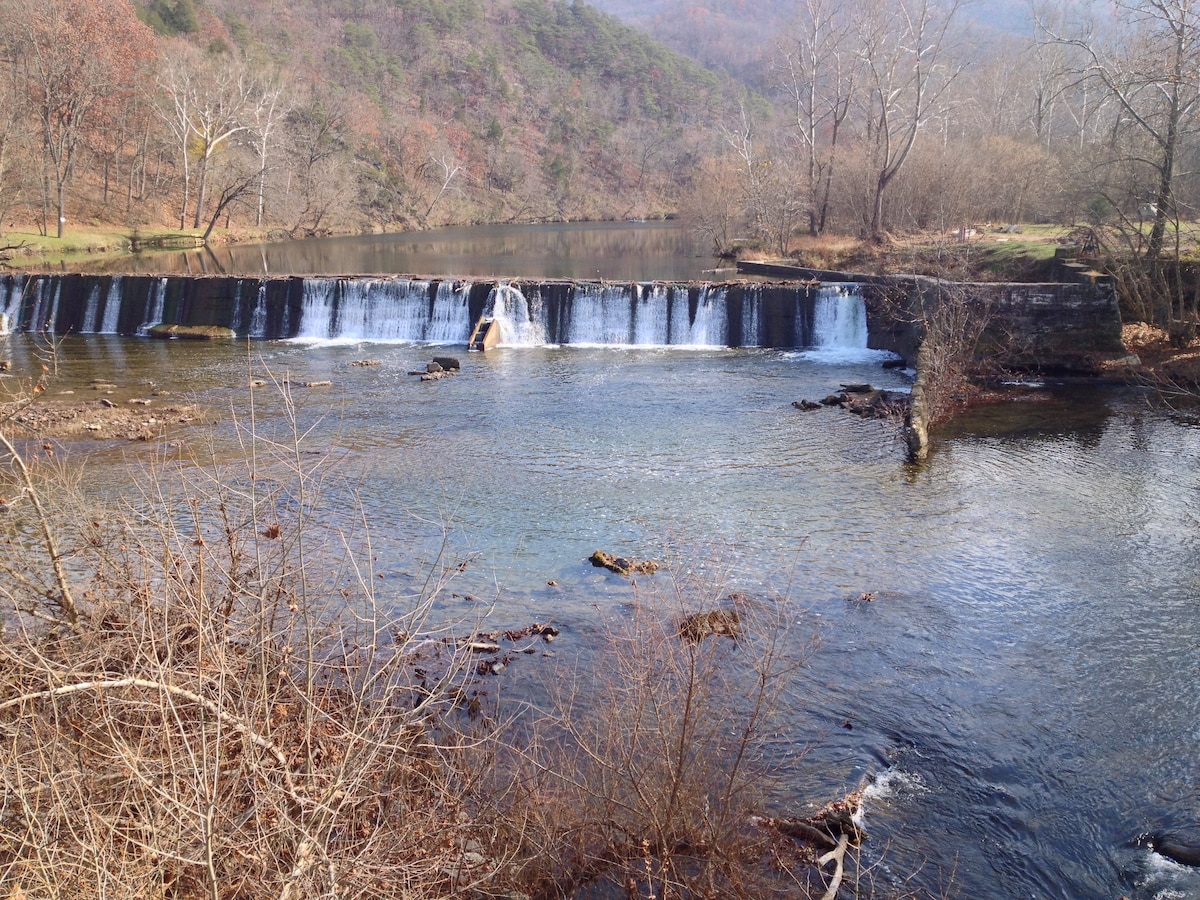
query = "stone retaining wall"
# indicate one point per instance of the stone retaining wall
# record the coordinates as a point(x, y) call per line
point(1050, 327)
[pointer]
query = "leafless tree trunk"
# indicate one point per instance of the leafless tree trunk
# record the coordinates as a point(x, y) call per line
point(817, 72)
point(908, 66)
point(270, 108)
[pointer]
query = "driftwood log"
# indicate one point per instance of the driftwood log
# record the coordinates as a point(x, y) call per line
point(833, 828)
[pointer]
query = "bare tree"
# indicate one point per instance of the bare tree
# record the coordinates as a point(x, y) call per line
point(15, 145)
point(442, 171)
point(1149, 65)
point(74, 57)
point(907, 68)
point(207, 102)
point(816, 70)
point(741, 138)
point(270, 108)
point(712, 207)
point(319, 163)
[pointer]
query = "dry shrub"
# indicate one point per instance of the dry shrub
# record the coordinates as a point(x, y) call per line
point(953, 321)
point(642, 776)
point(835, 253)
point(202, 695)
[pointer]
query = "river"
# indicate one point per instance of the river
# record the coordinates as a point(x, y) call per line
point(1024, 688)
point(614, 251)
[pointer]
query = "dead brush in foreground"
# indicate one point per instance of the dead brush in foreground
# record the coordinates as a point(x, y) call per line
point(188, 709)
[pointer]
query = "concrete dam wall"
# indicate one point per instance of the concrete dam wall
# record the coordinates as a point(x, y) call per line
point(1045, 327)
point(1029, 326)
point(442, 310)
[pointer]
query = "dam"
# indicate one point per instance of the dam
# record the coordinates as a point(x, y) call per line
point(443, 310)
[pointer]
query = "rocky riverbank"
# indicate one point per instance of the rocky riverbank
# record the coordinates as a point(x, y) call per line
point(102, 419)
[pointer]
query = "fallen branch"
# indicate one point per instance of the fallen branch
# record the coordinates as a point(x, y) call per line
point(837, 855)
point(64, 601)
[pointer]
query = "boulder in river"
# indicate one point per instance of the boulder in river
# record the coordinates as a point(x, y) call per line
point(191, 332)
point(1177, 849)
point(622, 565)
point(698, 626)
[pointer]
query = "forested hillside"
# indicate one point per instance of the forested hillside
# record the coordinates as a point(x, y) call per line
point(319, 115)
point(870, 117)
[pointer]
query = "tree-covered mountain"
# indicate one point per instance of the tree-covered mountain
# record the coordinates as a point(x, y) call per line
point(316, 115)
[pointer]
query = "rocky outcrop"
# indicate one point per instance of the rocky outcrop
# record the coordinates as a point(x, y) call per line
point(863, 400)
point(1176, 849)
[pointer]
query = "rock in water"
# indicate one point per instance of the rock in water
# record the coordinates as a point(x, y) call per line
point(1176, 849)
point(622, 565)
point(697, 627)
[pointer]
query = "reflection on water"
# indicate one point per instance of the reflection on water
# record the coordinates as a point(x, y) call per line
point(1026, 683)
point(614, 251)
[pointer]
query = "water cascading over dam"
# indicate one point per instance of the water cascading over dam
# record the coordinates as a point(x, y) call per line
point(444, 311)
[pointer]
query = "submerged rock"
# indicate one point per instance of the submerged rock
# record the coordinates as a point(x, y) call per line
point(1176, 849)
point(870, 403)
point(191, 332)
point(621, 565)
point(697, 627)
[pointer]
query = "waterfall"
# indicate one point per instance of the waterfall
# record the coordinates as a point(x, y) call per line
point(317, 311)
point(45, 309)
point(258, 317)
point(653, 320)
point(112, 307)
point(517, 317)
point(651, 315)
point(451, 319)
point(88, 326)
point(384, 309)
point(826, 319)
point(10, 310)
point(839, 318)
point(102, 314)
point(154, 306)
point(751, 316)
point(710, 327)
point(601, 314)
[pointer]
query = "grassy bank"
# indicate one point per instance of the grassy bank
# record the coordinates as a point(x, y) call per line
point(1024, 254)
point(26, 248)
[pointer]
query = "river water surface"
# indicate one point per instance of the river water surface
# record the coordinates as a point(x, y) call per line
point(1025, 687)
